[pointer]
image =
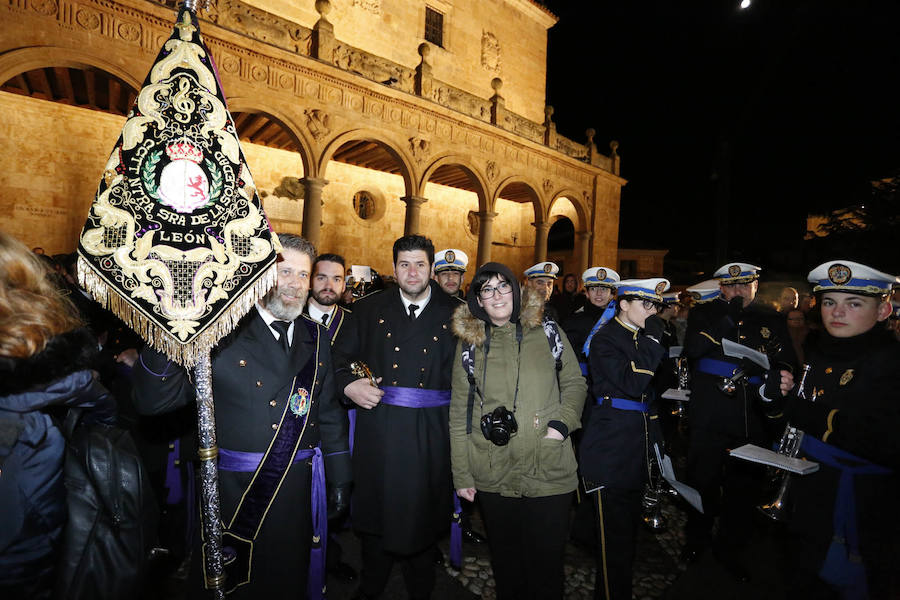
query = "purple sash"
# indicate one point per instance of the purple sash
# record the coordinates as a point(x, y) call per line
point(270, 469)
point(415, 397)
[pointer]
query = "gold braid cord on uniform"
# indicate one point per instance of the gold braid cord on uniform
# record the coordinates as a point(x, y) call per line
point(176, 242)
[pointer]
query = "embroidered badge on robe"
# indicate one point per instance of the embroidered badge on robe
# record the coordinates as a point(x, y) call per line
point(300, 402)
point(846, 377)
point(765, 333)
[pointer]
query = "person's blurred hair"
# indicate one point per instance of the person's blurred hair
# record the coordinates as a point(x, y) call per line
point(32, 309)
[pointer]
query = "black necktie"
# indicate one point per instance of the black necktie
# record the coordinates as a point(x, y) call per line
point(282, 328)
point(412, 311)
point(325, 320)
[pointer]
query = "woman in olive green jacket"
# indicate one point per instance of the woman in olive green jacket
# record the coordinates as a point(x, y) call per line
point(511, 448)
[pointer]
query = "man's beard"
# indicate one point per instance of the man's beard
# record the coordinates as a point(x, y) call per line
point(281, 311)
point(324, 301)
point(414, 292)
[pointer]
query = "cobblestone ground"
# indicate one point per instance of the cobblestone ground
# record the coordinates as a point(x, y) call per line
point(655, 569)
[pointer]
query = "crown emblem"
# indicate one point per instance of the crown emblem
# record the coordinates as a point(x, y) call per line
point(183, 149)
point(660, 287)
point(601, 274)
point(450, 256)
point(734, 270)
point(839, 274)
point(548, 267)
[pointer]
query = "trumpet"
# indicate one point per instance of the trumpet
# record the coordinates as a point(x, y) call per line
point(789, 445)
point(651, 501)
point(683, 374)
point(729, 385)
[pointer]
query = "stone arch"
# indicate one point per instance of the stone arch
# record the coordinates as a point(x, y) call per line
point(388, 145)
point(577, 201)
point(19, 61)
point(465, 165)
point(530, 188)
point(304, 147)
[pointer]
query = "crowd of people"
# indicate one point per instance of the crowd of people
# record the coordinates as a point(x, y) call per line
point(397, 405)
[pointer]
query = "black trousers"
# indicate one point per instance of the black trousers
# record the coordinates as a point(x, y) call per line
point(730, 489)
point(527, 538)
point(618, 518)
point(418, 569)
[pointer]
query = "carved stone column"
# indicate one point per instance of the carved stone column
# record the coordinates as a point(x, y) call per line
point(312, 209)
point(498, 104)
point(540, 241)
point(485, 236)
point(423, 72)
point(584, 245)
point(413, 208)
point(323, 33)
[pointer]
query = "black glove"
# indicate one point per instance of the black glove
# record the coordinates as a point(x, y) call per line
point(338, 501)
point(773, 401)
point(654, 327)
point(735, 308)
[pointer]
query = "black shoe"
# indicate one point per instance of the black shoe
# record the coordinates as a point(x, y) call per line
point(733, 567)
point(473, 537)
point(343, 572)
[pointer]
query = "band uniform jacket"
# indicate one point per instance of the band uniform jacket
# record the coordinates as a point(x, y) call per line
point(401, 456)
point(252, 378)
point(616, 442)
point(740, 415)
point(855, 384)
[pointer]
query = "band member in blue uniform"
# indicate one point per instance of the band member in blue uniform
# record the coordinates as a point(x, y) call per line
point(541, 278)
point(450, 271)
point(844, 535)
point(276, 416)
point(730, 489)
point(618, 437)
point(401, 451)
point(600, 289)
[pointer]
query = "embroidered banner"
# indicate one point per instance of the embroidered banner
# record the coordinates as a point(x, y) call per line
point(176, 242)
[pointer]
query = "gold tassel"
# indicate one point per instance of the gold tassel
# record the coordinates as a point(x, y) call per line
point(184, 353)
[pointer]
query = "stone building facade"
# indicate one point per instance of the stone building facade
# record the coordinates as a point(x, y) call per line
point(361, 120)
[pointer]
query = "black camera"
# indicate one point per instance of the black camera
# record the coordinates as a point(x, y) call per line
point(499, 426)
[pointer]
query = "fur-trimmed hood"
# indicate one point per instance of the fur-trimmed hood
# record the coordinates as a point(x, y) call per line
point(470, 328)
point(66, 353)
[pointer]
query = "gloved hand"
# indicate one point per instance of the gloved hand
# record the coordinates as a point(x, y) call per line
point(735, 308)
point(338, 501)
point(654, 327)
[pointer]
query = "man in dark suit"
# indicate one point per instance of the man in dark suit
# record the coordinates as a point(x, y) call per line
point(401, 500)
point(273, 389)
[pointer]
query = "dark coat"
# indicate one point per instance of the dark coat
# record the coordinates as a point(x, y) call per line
point(252, 378)
point(855, 382)
point(401, 456)
point(32, 495)
point(614, 447)
point(742, 415)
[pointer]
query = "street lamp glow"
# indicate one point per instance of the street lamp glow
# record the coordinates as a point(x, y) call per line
point(745, 3)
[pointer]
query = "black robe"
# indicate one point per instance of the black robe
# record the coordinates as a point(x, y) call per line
point(401, 456)
point(252, 377)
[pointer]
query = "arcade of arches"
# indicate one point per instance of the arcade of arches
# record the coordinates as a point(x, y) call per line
point(350, 163)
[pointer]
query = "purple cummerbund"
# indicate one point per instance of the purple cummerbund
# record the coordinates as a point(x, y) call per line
point(415, 397)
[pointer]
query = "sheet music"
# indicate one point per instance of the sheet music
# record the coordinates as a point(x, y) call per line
point(685, 491)
point(741, 351)
point(673, 394)
point(763, 456)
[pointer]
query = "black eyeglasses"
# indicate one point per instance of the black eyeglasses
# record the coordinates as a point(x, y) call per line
point(650, 305)
point(487, 292)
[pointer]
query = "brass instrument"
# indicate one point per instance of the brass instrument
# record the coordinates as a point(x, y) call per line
point(651, 501)
point(789, 445)
point(683, 374)
point(729, 385)
point(361, 369)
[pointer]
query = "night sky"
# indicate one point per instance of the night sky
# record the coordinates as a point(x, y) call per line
point(749, 118)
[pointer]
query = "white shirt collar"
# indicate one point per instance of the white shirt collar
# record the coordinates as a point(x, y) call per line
point(269, 318)
point(316, 314)
point(420, 303)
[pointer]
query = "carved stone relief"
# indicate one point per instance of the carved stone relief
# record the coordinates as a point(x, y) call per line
point(373, 6)
point(492, 170)
point(318, 122)
point(547, 185)
point(490, 52)
point(419, 147)
point(373, 67)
